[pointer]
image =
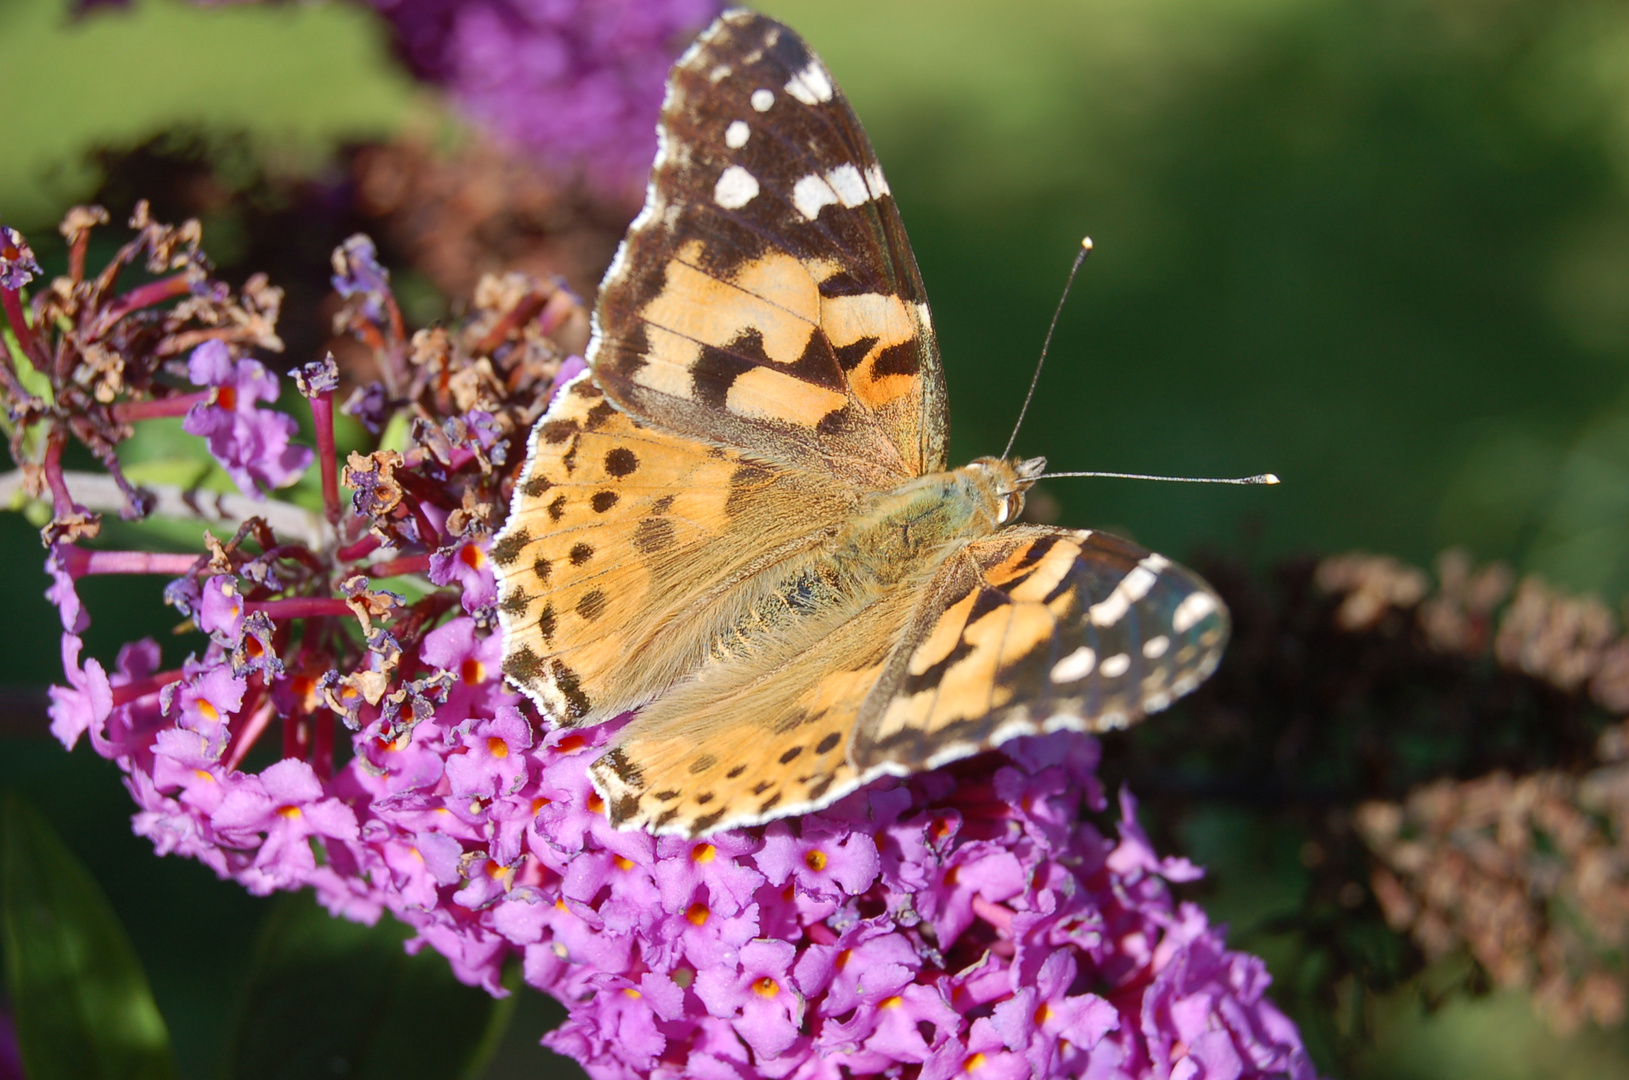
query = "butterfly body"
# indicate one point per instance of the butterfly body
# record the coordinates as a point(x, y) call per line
point(740, 521)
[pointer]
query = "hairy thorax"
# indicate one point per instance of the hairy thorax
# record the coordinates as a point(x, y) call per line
point(892, 544)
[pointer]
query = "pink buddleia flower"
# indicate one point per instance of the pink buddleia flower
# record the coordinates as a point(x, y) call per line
point(252, 444)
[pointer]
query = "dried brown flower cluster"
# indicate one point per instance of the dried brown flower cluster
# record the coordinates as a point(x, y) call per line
point(483, 210)
point(100, 356)
point(1527, 873)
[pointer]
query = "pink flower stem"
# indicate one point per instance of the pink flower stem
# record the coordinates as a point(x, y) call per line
point(322, 419)
point(154, 292)
point(82, 563)
point(298, 607)
point(12, 301)
point(62, 500)
point(124, 695)
point(407, 564)
point(995, 914)
point(821, 934)
point(246, 736)
point(128, 412)
point(322, 744)
point(361, 549)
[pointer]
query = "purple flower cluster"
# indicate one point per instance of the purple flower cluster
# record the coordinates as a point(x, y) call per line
point(576, 83)
point(969, 920)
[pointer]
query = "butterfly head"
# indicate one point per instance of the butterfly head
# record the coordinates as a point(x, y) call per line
point(1007, 480)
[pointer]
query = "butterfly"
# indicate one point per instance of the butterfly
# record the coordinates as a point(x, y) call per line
point(740, 522)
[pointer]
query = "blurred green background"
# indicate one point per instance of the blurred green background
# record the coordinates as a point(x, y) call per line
point(1380, 247)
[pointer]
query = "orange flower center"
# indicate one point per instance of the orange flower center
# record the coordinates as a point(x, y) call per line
point(698, 914)
point(815, 860)
point(472, 671)
point(289, 812)
point(703, 853)
point(766, 987)
point(497, 747)
point(472, 556)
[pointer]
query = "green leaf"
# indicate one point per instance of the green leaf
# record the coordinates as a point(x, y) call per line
point(83, 1008)
point(329, 997)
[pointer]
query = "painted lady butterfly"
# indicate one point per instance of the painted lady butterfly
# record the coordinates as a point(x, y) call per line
point(739, 520)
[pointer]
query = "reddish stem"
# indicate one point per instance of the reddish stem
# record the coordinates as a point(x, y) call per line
point(297, 735)
point(12, 301)
point(124, 695)
point(154, 292)
point(361, 549)
point(407, 564)
point(322, 744)
point(322, 418)
point(128, 412)
point(62, 500)
point(298, 607)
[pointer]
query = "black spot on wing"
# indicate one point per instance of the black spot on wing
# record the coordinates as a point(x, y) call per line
point(592, 605)
point(653, 535)
point(620, 462)
point(509, 546)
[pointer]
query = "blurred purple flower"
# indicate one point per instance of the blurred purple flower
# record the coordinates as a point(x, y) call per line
point(577, 83)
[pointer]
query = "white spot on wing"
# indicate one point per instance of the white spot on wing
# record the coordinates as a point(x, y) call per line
point(843, 185)
point(810, 194)
point(735, 188)
point(1191, 610)
point(1132, 588)
point(1155, 647)
point(1115, 666)
point(849, 185)
point(1077, 665)
point(812, 85)
point(735, 136)
point(875, 183)
point(762, 99)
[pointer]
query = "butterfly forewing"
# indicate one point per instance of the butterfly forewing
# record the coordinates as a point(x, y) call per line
point(766, 297)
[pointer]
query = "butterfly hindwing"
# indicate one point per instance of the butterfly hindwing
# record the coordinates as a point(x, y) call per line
point(766, 298)
point(1041, 629)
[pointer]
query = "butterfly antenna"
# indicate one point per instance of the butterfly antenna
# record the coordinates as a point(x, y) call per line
point(1080, 257)
point(1260, 478)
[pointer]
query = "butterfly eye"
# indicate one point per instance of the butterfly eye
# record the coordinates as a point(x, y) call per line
point(1007, 507)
